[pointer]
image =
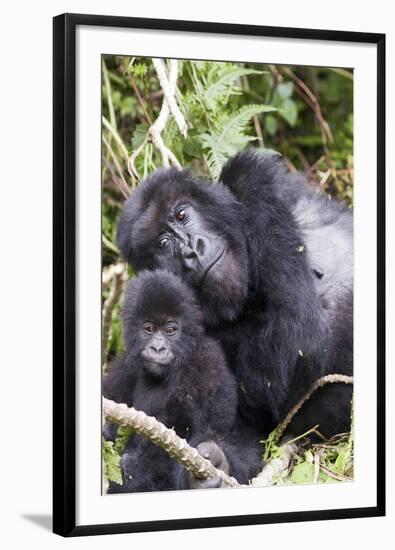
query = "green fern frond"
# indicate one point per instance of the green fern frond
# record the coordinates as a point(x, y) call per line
point(230, 136)
point(222, 86)
point(215, 156)
point(238, 122)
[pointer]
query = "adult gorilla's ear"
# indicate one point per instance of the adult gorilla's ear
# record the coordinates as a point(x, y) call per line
point(125, 226)
point(124, 232)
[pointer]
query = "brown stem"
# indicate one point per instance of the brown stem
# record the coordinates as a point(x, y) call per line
point(312, 102)
point(120, 182)
point(117, 284)
point(140, 99)
point(255, 118)
point(339, 477)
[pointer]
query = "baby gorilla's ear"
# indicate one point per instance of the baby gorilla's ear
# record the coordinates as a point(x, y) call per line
point(212, 452)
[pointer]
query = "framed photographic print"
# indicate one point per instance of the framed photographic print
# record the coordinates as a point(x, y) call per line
point(219, 274)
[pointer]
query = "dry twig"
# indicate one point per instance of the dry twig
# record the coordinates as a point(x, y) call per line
point(169, 87)
point(168, 83)
point(338, 477)
point(317, 460)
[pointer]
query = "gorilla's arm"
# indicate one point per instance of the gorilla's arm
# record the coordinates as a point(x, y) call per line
point(117, 385)
point(283, 323)
point(214, 406)
point(145, 467)
point(120, 382)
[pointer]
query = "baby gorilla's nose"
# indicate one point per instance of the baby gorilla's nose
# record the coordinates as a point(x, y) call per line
point(158, 348)
point(158, 351)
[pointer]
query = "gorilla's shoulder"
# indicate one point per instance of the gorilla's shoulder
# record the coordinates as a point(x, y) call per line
point(248, 172)
point(212, 350)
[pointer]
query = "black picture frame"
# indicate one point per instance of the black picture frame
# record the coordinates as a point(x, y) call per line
point(64, 272)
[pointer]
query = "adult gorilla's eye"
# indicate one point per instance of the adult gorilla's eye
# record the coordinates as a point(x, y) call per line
point(163, 241)
point(181, 215)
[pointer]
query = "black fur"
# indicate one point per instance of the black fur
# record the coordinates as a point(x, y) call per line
point(196, 393)
point(280, 301)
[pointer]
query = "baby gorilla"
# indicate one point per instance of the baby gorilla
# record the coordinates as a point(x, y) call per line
point(172, 370)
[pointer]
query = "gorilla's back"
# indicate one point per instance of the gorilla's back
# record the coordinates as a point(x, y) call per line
point(327, 229)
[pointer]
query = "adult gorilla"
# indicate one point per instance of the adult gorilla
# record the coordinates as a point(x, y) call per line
point(271, 261)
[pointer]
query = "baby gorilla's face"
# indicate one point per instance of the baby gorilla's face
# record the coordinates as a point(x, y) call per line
point(158, 338)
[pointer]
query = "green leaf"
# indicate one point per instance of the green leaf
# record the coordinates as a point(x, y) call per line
point(127, 106)
point(124, 431)
point(289, 111)
point(271, 124)
point(285, 89)
point(116, 98)
point(341, 461)
point(139, 135)
point(111, 461)
point(303, 473)
point(192, 146)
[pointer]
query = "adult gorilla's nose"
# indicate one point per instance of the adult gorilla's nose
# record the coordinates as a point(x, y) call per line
point(194, 253)
point(200, 244)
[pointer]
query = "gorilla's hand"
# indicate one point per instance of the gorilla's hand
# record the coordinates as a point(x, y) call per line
point(213, 453)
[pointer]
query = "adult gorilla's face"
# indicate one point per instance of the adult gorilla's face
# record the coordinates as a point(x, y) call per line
point(194, 230)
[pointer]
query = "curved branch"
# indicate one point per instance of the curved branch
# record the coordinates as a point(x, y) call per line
point(328, 379)
point(165, 438)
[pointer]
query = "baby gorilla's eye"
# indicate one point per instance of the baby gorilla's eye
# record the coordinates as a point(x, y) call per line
point(149, 328)
point(170, 330)
point(163, 241)
point(181, 215)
